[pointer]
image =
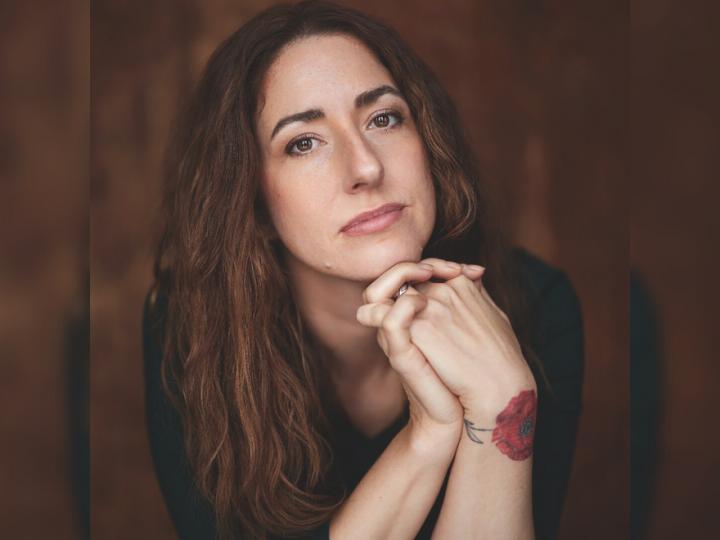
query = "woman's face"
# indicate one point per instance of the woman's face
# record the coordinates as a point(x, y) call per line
point(347, 156)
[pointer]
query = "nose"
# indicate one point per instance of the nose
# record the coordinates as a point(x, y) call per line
point(364, 167)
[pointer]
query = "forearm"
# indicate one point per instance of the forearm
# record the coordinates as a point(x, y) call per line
point(489, 495)
point(395, 495)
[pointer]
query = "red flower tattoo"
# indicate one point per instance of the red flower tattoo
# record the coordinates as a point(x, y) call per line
point(515, 426)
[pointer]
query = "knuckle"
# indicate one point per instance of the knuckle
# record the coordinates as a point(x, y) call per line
point(402, 301)
point(460, 282)
point(390, 323)
point(443, 292)
point(452, 291)
point(438, 310)
point(427, 288)
point(423, 288)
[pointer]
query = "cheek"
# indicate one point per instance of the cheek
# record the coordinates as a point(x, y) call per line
point(289, 210)
point(298, 217)
point(293, 197)
point(425, 189)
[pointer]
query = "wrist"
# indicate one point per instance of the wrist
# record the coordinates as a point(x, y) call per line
point(436, 441)
point(490, 404)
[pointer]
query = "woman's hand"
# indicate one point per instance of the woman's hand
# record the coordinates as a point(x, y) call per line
point(436, 414)
point(460, 331)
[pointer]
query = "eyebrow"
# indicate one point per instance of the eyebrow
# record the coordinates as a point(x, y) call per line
point(362, 100)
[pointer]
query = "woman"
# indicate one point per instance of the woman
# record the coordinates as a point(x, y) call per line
point(318, 363)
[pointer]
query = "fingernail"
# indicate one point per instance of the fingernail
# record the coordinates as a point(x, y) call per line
point(453, 265)
point(426, 266)
point(475, 267)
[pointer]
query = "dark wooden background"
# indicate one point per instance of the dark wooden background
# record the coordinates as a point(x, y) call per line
point(542, 86)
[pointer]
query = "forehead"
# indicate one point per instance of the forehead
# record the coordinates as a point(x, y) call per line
point(316, 70)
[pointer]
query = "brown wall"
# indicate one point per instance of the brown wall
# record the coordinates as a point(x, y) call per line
point(675, 141)
point(541, 89)
point(44, 95)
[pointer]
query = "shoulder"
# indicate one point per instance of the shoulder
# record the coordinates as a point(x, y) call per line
point(555, 309)
point(153, 327)
point(549, 292)
point(153, 343)
point(544, 281)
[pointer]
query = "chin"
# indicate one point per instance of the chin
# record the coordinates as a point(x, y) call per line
point(369, 266)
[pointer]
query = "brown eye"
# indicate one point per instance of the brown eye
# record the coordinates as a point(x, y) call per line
point(300, 146)
point(303, 145)
point(382, 120)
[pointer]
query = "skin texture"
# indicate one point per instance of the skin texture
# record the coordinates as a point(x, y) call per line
point(353, 163)
point(444, 343)
point(459, 330)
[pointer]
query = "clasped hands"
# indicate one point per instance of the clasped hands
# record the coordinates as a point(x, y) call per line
point(448, 339)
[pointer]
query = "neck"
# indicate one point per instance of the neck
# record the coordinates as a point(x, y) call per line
point(328, 305)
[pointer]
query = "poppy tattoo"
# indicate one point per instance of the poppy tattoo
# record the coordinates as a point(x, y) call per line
point(515, 427)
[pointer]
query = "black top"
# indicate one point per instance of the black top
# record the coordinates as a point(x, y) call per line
point(559, 344)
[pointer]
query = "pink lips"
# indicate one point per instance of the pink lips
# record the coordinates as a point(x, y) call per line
point(373, 220)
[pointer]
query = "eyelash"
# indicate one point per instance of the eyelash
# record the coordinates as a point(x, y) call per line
point(291, 144)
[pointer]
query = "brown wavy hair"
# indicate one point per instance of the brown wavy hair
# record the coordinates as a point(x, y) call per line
point(238, 363)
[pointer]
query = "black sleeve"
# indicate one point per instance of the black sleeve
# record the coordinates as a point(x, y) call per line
point(560, 348)
point(191, 513)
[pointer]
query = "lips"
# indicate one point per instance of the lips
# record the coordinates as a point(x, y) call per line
point(365, 216)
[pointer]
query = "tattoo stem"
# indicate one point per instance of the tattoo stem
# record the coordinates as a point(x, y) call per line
point(470, 427)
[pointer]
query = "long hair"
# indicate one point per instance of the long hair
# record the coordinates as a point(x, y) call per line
point(238, 363)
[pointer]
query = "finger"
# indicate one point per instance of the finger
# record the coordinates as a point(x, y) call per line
point(443, 268)
point(373, 314)
point(473, 270)
point(419, 378)
point(396, 323)
point(474, 273)
point(385, 286)
point(388, 284)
